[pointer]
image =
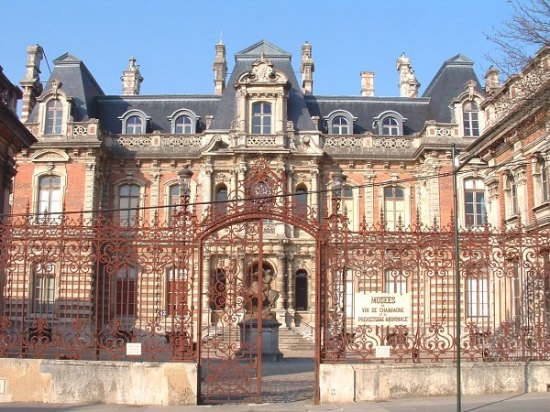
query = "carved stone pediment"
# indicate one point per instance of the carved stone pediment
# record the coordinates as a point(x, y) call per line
point(50, 155)
point(262, 72)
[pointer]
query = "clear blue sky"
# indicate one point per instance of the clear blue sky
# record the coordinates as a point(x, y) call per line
point(173, 40)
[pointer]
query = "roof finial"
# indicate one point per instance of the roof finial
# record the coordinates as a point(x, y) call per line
point(221, 37)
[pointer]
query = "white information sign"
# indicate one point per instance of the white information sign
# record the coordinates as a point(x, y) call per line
point(133, 349)
point(383, 351)
point(382, 309)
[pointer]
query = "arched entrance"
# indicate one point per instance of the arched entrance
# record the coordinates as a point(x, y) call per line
point(243, 279)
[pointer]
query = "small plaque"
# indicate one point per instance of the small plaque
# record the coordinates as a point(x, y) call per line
point(133, 349)
point(383, 351)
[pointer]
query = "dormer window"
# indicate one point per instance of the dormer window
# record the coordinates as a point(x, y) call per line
point(389, 124)
point(54, 117)
point(470, 113)
point(183, 125)
point(261, 118)
point(134, 125)
point(340, 122)
point(134, 122)
point(340, 125)
point(183, 121)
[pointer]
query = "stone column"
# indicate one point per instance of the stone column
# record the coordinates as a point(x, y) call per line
point(314, 195)
point(369, 197)
point(290, 293)
point(280, 286)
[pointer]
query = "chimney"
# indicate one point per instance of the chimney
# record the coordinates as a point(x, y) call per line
point(131, 79)
point(367, 83)
point(32, 88)
point(307, 67)
point(220, 69)
point(492, 82)
point(408, 85)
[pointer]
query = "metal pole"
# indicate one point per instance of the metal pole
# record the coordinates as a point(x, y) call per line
point(457, 282)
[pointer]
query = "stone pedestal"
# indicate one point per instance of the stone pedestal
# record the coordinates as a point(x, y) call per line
point(270, 339)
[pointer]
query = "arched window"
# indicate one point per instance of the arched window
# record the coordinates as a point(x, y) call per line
point(134, 125)
point(220, 207)
point(394, 207)
point(49, 198)
point(470, 114)
point(54, 117)
point(183, 125)
point(43, 288)
point(128, 204)
point(340, 125)
point(300, 199)
point(474, 202)
point(125, 292)
point(395, 281)
point(301, 301)
point(261, 118)
point(390, 126)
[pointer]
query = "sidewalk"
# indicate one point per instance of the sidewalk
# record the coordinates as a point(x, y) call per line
point(532, 402)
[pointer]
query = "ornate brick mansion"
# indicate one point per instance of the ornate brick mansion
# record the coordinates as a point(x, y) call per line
point(266, 198)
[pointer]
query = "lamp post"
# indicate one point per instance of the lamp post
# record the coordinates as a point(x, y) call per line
point(185, 186)
point(456, 168)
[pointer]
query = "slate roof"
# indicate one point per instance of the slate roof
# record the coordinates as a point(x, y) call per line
point(447, 84)
point(76, 82)
point(90, 101)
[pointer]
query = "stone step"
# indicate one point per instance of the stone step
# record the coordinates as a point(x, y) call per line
point(291, 339)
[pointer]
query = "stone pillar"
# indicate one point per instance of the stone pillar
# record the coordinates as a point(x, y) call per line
point(493, 194)
point(290, 293)
point(408, 85)
point(90, 188)
point(492, 82)
point(131, 79)
point(369, 196)
point(520, 177)
point(280, 285)
point(155, 193)
point(207, 185)
point(314, 195)
point(32, 88)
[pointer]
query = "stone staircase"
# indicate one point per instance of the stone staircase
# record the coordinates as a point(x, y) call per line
point(293, 340)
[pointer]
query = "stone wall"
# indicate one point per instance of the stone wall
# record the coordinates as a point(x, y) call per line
point(70, 381)
point(359, 382)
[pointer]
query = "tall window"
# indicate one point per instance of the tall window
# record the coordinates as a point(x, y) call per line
point(125, 291)
point(477, 297)
point(54, 117)
point(301, 290)
point(394, 207)
point(183, 125)
point(512, 195)
point(261, 118)
point(134, 125)
point(390, 126)
point(174, 201)
point(340, 125)
point(471, 119)
point(300, 199)
point(395, 281)
point(220, 208)
point(544, 189)
point(43, 290)
point(128, 202)
point(49, 198)
point(474, 202)
point(177, 291)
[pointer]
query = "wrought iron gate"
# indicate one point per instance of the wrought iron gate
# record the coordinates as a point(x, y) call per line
point(233, 278)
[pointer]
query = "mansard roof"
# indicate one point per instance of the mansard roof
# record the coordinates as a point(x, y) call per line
point(90, 101)
point(447, 84)
point(76, 82)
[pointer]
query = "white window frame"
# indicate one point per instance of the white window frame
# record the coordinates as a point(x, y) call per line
point(194, 119)
point(44, 297)
point(378, 123)
point(405, 218)
point(468, 121)
point(333, 128)
point(477, 191)
point(262, 115)
point(130, 113)
point(116, 203)
point(477, 297)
